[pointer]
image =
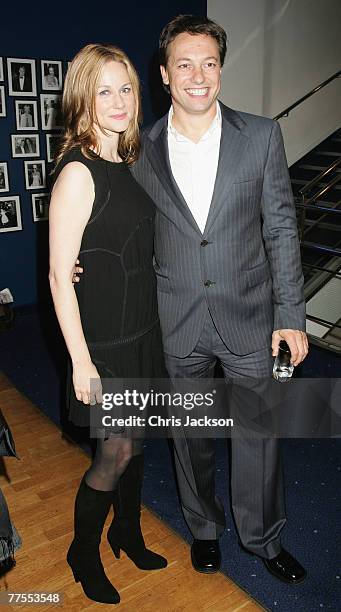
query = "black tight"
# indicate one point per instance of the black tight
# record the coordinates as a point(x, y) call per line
point(110, 461)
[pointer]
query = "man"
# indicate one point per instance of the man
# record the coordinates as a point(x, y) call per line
point(26, 119)
point(22, 147)
point(22, 80)
point(230, 283)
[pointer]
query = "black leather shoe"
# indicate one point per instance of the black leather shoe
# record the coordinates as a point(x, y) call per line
point(206, 556)
point(286, 568)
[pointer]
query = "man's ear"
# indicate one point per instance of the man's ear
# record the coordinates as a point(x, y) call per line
point(164, 75)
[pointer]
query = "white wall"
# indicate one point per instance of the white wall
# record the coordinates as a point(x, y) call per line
point(278, 51)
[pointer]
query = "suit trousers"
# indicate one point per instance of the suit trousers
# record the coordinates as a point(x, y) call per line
point(257, 492)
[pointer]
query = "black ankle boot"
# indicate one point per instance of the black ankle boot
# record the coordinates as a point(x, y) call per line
point(91, 510)
point(125, 530)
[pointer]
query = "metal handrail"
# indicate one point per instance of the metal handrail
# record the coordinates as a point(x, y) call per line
point(322, 190)
point(311, 202)
point(334, 273)
point(318, 178)
point(324, 209)
point(321, 248)
point(286, 112)
point(324, 321)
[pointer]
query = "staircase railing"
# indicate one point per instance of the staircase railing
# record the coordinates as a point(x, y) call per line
point(319, 178)
point(308, 201)
point(286, 111)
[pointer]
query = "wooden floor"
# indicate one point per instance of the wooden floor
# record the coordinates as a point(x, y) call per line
point(40, 490)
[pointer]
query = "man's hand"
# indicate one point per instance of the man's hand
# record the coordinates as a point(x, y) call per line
point(76, 270)
point(297, 341)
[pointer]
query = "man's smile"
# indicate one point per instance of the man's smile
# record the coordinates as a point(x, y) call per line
point(197, 92)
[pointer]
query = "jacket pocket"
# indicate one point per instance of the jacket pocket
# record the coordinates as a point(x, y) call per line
point(163, 283)
point(258, 274)
point(247, 180)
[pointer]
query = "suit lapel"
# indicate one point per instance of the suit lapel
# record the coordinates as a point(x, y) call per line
point(158, 155)
point(233, 145)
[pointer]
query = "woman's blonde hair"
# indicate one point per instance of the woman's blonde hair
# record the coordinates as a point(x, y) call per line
point(79, 112)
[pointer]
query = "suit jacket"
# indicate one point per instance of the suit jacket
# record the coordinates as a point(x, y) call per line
point(246, 266)
point(25, 147)
point(27, 85)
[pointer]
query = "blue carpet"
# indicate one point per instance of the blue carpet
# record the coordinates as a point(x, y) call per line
point(33, 357)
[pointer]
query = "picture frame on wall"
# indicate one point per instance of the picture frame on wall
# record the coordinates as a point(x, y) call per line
point(51, 75)
point(52, 143)
point(21, 77)
point(4, 182)
point(51, 111)
point(25, 145)
point(35, 174)
point(10, 214)
point(26, 114)
point(40, 206)
point(2, 101)
point(1, 69)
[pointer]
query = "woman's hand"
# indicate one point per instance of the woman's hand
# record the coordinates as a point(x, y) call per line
point(87, 383)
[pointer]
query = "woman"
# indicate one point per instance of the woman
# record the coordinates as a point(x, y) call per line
point(109, 321)
point(50, 115)
point(50, 79)
point(35, 176)
point(28, 144)
point(3, 217)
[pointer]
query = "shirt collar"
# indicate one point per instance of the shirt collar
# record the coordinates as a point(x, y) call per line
point(216, 124)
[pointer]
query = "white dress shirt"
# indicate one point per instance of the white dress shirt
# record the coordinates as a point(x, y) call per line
point(194, 166)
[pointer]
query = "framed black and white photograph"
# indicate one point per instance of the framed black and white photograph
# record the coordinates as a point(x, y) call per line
point(2, 101)
point(51, 75)
point(25, 145)
point(21, 77)
point(40, 206)
point(4, 183)
point(26, 114)
point(51, 111)
point(1, 69)
point(10, 214)
point(35, 174)
point(52, 144)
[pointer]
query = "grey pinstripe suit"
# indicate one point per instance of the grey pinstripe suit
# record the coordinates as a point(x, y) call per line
point(250, 253)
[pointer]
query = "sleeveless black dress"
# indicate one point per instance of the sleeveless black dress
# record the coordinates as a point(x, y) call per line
point(117, 291)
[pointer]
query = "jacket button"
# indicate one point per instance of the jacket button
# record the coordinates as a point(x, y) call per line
point(204, 243)
point(208, 283)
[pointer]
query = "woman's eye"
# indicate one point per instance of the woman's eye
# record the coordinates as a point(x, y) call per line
point(104, 92)
point(126, 90)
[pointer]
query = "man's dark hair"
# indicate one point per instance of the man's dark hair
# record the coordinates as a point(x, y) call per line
point(192, 24)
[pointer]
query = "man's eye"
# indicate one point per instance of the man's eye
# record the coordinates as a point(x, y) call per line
point(184, 66)
point(210, 65)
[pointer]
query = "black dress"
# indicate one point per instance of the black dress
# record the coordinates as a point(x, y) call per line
point(117, 291)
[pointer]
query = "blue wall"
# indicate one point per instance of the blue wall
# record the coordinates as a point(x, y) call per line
point(57, 31)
